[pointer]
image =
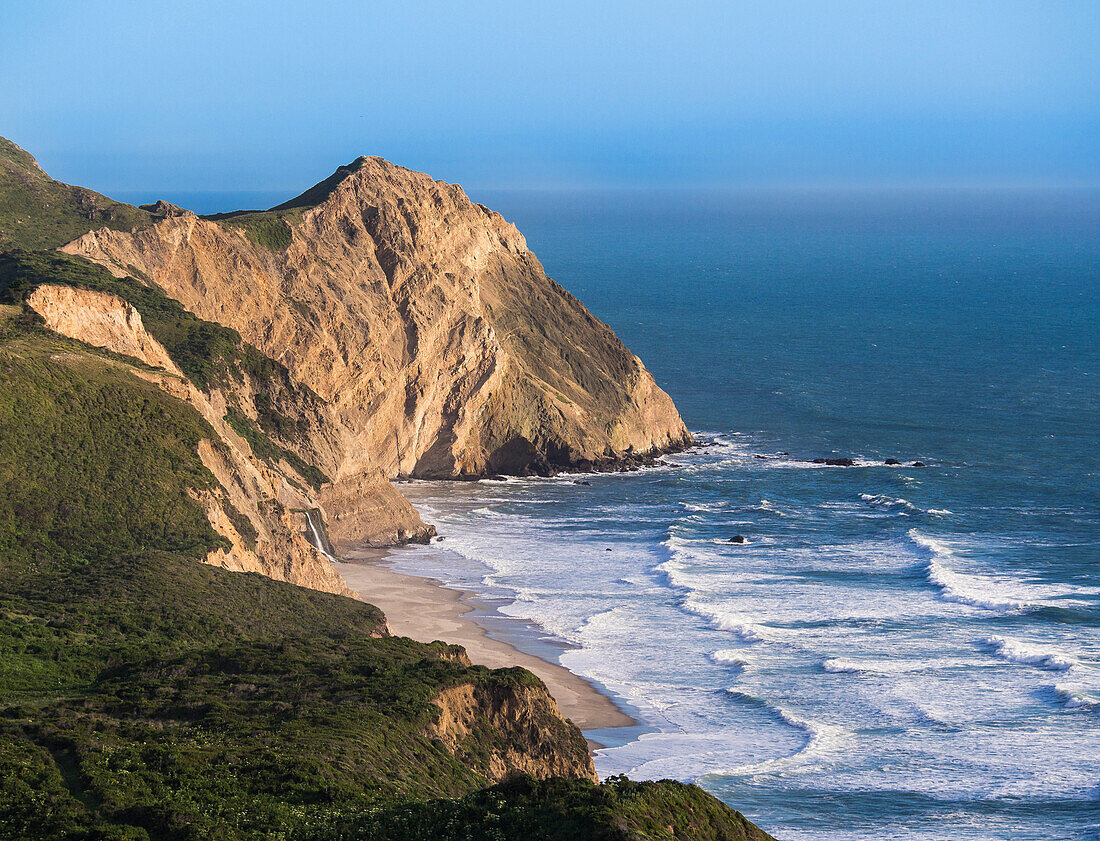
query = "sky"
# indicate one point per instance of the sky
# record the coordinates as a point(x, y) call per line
point(272, 96)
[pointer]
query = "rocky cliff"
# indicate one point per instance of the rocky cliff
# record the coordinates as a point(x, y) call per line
point(413, 333)
point(256, 506)
point(403, 330)
point(528, 734)
point(433, 335)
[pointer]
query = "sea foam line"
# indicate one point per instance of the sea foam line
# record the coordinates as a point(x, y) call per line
point(731, 657)
point(844, 665)
point(724, 620)
point(1075, 699)
point(901, 505)
point(964, 589)
point(1030, 655)
point(677, 575)
point(821, 739)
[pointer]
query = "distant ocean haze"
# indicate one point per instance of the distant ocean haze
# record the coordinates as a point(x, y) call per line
point(894, 651)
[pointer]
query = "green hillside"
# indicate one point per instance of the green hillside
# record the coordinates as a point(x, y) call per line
point(38, 212)
point(143, 693)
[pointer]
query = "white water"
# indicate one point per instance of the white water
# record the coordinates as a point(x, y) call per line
point(318, 544)
point(761, 669)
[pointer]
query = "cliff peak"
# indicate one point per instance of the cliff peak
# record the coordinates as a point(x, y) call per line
point(421, 318)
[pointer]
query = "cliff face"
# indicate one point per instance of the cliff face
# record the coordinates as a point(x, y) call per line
point(431, 332)
point(502, 730)
point(255, 506)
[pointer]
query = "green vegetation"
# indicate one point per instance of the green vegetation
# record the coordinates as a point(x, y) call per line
point(38, 212)
point(523, 808)
point(144, 694)
point(93, 459)
point(208, 353)
point(321, 190)
point(265, 448)
point(271, 229)
point(266, 228)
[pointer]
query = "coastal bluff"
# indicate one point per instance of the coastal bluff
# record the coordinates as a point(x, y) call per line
point(385, 326)
point(434, 337)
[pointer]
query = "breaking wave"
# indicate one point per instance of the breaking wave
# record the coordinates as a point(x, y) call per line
point(821, 739)
point(724, 620)
point(1030, 655)
point(1076, 699)
point(730, 657)
point(902, 506)
point(844, 665)
point(966, 589)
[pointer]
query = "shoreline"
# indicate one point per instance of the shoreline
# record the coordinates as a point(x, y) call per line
point(426, 610)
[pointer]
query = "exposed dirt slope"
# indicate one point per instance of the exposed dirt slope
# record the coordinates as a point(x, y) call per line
point(421, 319)
point(256, 506)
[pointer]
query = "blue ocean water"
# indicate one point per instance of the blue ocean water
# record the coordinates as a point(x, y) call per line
point(895, 651)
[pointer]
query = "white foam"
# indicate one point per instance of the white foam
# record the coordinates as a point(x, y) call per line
point(1030, 655)
point(704, 507)
point(844, 665)
point(769, 506)
point(724, 620)
point(821, 739)
point(1076, 698)
point(731, 657)
point(972, 590)
point(884, 501)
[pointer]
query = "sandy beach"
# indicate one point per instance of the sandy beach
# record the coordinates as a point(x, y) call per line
point(423, 609)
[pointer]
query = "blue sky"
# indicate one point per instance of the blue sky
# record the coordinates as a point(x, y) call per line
point(271, 96)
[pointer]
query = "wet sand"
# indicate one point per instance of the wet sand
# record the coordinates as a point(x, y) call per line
point(425, 610)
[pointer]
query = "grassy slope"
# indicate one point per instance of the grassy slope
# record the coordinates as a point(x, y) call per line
point(145, 694)
point(208, 353)
point(38, 212)
point(272, 228)
point(559, 810)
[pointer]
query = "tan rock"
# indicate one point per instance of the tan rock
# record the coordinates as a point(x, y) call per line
point(369, 511)
point(259, 495)
point(101, 320)
point(424, 322)
point(529, 734)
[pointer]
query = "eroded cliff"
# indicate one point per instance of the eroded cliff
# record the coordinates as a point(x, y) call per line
point(501, 730)
point(433, 335)
point(256, 506)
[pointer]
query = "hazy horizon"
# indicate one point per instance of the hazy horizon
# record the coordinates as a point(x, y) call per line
point(272, 97)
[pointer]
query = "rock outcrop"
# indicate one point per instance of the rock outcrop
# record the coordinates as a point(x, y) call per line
point(432, 333)
point(420, 337)
point(510, 729)
point(101, 320)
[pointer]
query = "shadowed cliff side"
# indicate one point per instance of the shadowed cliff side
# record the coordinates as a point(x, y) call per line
point(430, 330)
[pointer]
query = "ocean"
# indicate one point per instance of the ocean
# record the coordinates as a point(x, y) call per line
point(894, 651)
